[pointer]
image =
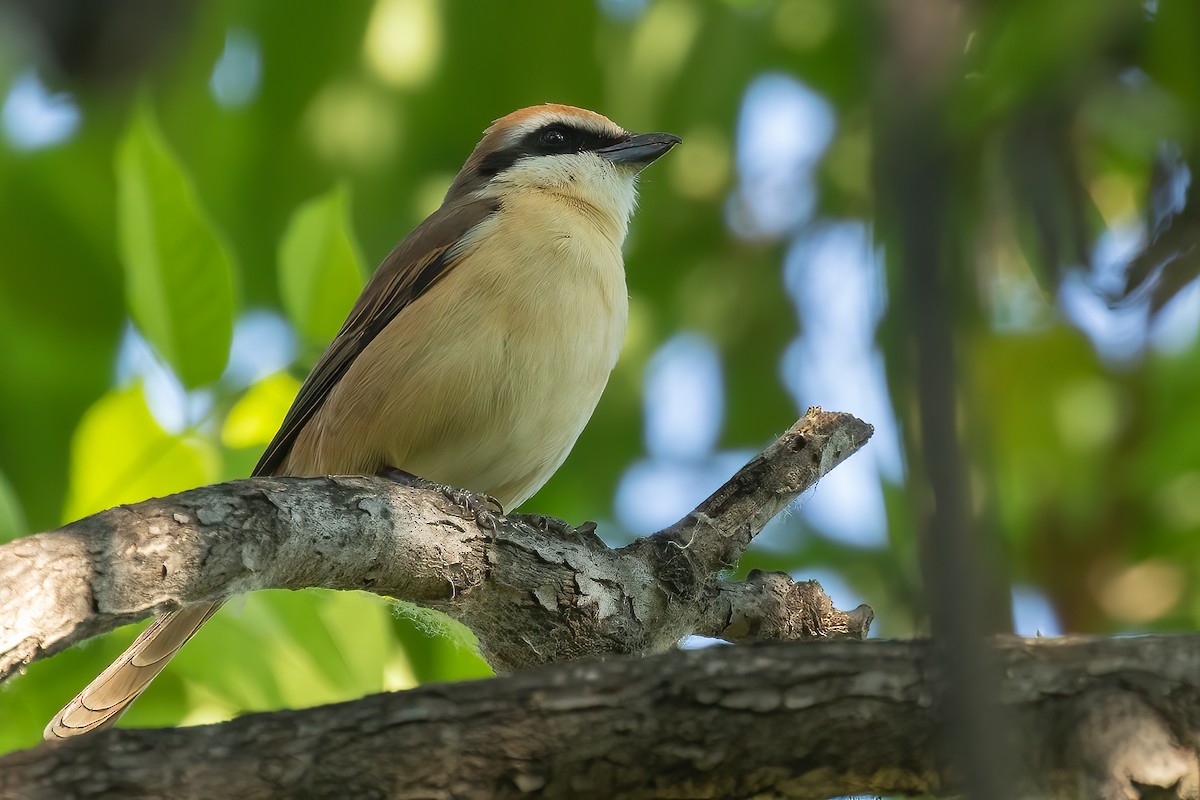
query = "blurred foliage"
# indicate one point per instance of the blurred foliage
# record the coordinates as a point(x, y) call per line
point(269, 153)
point(178, 276)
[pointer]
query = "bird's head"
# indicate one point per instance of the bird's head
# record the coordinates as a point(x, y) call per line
point(564, 150)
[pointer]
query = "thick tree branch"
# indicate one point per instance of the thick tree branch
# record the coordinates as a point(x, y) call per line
point(533, 590)
point(1103, 719)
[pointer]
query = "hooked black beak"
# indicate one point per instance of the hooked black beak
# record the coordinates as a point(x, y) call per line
point(640, 149)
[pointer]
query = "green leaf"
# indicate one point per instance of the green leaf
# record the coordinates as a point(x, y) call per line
point(12, 520)
point(320, 267)
point(437, 647)
point(178, 274)
point(119, 454)
point(256, 416)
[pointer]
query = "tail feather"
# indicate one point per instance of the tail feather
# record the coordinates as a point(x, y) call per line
point(104, 700)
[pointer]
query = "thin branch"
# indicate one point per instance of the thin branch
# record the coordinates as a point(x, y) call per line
point(720, 529)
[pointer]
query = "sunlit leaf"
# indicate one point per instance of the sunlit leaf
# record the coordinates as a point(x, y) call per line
point(178, 274)
point(361, 625)
point(437, 647)
point(285, 656)
point(255, 417)
point(320, 268)
point(119, 454)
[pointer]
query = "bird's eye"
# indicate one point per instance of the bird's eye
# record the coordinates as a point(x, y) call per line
point(553, 137)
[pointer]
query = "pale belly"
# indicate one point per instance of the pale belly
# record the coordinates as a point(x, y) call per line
point(488, 391)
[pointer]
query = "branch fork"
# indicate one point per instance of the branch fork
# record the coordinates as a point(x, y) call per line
point(566, 593)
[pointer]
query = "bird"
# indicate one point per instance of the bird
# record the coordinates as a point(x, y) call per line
point(474, 356)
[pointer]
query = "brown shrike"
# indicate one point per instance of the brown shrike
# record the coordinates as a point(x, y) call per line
point(476, 353)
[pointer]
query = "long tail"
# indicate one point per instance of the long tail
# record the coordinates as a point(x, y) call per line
point(104, 700)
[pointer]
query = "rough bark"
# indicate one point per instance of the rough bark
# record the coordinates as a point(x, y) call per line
point(533, 590)
point(1104, 719)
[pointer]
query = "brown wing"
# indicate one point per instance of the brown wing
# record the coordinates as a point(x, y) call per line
point(407, 273)
point(416, 264)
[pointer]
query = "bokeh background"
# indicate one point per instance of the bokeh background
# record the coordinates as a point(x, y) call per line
point(191, 196)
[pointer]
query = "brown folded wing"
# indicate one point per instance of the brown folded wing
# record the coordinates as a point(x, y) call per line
point(416, 264)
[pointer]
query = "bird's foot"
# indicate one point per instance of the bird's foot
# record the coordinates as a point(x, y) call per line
point(404, 478)
point(481, 507)
point(558, 527)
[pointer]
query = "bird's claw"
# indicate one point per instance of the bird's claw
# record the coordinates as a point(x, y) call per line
point(484, 509)
point(554, 525)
